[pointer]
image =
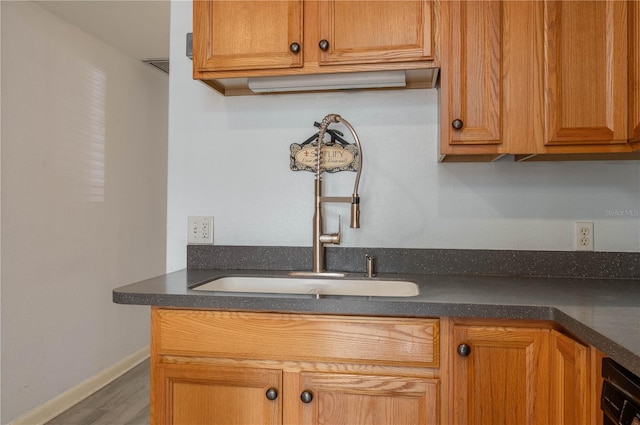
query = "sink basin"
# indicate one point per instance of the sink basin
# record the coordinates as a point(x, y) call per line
point(313, 286)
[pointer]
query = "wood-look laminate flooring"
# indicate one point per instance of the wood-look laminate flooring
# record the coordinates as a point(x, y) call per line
point(125, 401)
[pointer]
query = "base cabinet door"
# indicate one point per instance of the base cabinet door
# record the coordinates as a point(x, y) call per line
point(570, 388)
point(193, 394)
point(500, 375)
point(346, 399)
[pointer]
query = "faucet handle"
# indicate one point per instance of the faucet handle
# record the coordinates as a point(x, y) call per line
point(333, 238)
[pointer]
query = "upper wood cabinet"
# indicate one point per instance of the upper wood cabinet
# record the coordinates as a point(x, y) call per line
point(490, 86)
point(539, 79)
point(474, 77)
point(237, 39)
point(352, 32)
point(240, 35)
point(585, 72)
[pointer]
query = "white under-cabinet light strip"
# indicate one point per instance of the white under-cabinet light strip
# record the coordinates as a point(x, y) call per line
point(356, 80)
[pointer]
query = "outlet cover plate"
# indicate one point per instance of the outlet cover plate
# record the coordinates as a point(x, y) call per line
point(200, 230)
point(583, 236)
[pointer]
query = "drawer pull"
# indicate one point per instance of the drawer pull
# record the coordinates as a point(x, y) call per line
point(324, 45)
point(295, 48)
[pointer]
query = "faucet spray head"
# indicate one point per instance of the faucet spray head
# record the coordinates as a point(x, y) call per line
point(355, 212)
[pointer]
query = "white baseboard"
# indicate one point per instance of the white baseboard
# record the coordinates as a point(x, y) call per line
point(69, 398)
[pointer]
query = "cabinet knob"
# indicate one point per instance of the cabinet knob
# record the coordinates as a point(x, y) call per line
point(306, 396)
point(272, 394)
point(294, 47)
point(457, 124)
point(324, 45)
point(464, 350)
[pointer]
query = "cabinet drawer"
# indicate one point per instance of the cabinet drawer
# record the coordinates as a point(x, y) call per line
point(297, 337)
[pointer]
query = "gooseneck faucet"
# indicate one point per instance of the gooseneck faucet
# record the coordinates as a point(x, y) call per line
point(320, 238)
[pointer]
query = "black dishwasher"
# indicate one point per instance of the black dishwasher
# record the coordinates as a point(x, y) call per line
point(620, 401)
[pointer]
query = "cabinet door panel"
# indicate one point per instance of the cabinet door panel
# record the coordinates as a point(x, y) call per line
point(475, 71)
point(503, 379)
point(342, 399)
point(586, 72)
point(374, 31)
point(241, 35)
point(192, 394)
point(634, 73)
point(570, 388)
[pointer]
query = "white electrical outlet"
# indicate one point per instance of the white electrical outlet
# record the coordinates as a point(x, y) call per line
point(583, 236)
point(200, 230)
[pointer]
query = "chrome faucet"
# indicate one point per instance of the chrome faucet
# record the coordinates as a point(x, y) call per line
point(320, 239)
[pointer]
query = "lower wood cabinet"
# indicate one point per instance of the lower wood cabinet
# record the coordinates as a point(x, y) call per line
point(526, 373)
point(346, 399)
point(570, 382)
point(500, 375)
point(191, 393)
point(211, 367)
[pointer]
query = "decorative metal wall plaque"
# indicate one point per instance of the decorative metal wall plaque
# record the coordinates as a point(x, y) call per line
point(336, 155)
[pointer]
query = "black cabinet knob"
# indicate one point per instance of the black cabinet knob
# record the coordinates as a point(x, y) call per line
point(324, 45)
point(272, 394)
point(464, 350)
point(294, 47)
point(457, 124)
point(306, 396)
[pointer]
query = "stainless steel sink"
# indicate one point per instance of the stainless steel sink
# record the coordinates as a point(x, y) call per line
point(312, 286)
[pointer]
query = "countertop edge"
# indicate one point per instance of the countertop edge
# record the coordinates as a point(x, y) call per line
point(171, 290)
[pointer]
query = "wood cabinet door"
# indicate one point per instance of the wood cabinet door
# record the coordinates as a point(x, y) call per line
point(491, 80)
point(570, 389)
point(193, 394)
point(634, 74)
point(503, 379)
point(243, 35)
point(472, 72)
point(374, 31)
point(585, 72)
point(346, 399)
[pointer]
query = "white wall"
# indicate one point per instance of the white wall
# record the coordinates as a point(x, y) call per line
point(83, 203)
point(228, 157)
point(0, 214)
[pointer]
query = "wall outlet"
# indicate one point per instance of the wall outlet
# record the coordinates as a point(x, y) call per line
point(583, 236)
point(200, 230)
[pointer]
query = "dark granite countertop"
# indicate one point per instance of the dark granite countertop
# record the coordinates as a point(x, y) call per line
point(602, 312)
